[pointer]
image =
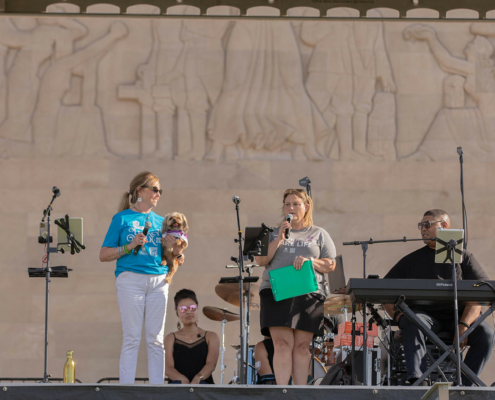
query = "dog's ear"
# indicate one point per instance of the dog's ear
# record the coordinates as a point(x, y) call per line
point(165, 224)
point(185, 226)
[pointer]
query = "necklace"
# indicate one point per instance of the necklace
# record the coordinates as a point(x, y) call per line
point(140, 212)
point(198, 335)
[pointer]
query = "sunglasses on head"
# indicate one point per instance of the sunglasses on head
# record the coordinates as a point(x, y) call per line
point(192, 308)
point(426, 224)
point(154, 188)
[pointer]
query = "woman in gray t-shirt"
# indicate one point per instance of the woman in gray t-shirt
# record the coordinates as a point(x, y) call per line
point(292, 322)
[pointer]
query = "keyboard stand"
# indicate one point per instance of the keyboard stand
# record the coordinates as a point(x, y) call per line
point(448, 351)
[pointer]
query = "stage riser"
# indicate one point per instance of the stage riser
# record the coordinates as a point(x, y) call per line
point(200, 392)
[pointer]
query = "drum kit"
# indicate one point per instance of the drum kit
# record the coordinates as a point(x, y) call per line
point(230, 293)
point(324, 354)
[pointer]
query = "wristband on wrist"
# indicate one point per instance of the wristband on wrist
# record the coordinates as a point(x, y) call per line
point(464, 323)
point(126, 250)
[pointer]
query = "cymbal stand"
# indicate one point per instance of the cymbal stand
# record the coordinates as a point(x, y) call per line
point(364, 246)
point(222, 350)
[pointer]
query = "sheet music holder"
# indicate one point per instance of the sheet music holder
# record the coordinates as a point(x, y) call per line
point(442, 251)
point(76, 228)
point(257, 239)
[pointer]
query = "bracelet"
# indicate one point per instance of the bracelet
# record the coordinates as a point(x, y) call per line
point(118, 251)
point(126, 250)
point(396, 314)
point(465, 324)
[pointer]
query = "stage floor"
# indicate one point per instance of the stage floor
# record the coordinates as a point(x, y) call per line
point(55, 391)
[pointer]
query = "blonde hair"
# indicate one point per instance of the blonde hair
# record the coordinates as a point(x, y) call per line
point(142, 179)
point(301, 193)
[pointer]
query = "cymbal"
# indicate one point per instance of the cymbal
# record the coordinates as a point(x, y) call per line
point(336, 305)
point(230, 293)
point(217, 314)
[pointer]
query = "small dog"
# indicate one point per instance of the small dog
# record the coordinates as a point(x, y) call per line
point(174, 224)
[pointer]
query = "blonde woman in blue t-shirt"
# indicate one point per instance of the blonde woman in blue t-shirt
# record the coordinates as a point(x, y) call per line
point(140, 279)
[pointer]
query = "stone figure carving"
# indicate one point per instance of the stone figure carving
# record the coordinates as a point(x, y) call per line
point(75, 130)
point(263, 104)
point(154, 92)
point(50, 40)
point(370, 64)
point(182, 78)
point(348, 60)
point(202, 76)
point(473, 128)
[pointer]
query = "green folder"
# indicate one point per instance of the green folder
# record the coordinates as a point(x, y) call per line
point(288, 282)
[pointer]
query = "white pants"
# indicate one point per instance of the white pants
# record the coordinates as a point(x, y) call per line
point(141, 295)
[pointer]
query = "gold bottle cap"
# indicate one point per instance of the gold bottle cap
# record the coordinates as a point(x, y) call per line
point(69, 353)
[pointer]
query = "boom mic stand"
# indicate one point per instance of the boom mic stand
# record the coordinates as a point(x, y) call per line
point(240, 263)
point(47, 270)
point(364, 246)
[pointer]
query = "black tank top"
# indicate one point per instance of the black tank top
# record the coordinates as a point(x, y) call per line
point(190, 358)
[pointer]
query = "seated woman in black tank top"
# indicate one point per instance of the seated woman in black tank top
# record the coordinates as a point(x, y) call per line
point(191, 353)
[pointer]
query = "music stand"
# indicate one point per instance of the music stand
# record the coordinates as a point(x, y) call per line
point(256, 241)
point(447, 241)
point(52, 272)
point(55, 272)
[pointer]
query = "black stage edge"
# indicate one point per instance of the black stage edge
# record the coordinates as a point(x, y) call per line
point(55, 391)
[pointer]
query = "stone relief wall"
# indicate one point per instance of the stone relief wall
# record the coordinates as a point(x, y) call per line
point(227, 90)
point(371, 111)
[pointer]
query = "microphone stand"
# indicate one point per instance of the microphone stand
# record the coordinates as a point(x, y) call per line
point(240, 263)
point(49, 249)
point(364, 246)
point(464, 217)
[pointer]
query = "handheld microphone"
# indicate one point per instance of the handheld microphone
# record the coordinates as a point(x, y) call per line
point(56, 191)
point(236, 199)
point(288, 217)
point(147, 226)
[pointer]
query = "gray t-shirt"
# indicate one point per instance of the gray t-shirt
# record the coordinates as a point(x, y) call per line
point(308, 242)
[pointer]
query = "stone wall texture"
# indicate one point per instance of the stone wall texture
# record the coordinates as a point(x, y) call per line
point(371, 111)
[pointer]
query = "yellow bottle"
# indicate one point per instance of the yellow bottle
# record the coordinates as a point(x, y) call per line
point(69, 369)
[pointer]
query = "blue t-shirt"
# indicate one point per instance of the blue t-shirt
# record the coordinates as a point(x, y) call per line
point(124, 227)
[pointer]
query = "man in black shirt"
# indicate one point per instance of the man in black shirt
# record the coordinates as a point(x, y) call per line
point(420, 264)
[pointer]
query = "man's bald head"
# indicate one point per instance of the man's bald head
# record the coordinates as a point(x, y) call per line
point(439, 214)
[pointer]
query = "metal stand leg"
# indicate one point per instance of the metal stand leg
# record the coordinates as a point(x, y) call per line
point(448, 351)
point(222, 352)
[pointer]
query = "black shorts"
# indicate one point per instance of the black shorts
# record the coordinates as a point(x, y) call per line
point(304, 313)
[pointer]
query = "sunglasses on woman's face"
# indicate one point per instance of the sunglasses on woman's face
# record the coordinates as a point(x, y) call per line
point(191, 308)
point(154, 188)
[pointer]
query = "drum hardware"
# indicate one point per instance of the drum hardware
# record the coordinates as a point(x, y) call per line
point(338, 305)
point(319, 370)
point(252, 373)
point(221, 314)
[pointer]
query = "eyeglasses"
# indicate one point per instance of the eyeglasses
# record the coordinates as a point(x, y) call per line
point(191, 308)
point(154, 188)
point(426, 224)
